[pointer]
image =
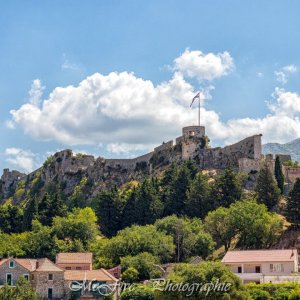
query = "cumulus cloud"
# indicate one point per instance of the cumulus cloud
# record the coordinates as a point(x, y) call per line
point(124, 113)
point(196, 64)
point(283, 74)
point(24, 160)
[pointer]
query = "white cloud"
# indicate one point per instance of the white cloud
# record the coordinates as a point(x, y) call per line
point(283, 74)
point(67, 65)
point(36, 92)
point(10, 124)
point(24, 160)
point(124, 113)
point(196, 64)
point(125, 148)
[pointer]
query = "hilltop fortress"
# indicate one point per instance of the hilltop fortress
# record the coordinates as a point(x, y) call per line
point(244, 156)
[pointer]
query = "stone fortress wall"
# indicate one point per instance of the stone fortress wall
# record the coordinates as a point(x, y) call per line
point(244, 156)
point(229, 156)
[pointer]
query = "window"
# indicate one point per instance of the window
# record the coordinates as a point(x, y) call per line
point(257, 269)
point(50, 293)
point(11, 264)
point(50, 276)
point(78, 268)
point(239, 269)
point(9, 279)
point(276, 268)
point(68, 268)
point(26, 276)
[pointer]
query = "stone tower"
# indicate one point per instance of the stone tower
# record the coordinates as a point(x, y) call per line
point(192, 139)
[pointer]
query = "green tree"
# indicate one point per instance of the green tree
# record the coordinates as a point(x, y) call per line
point(80, 224)
point(279, 174)
point(258, 294)
point(145, 263)
point(198, 202)
point(255, 226)
point(22, 291)
point(292, 211)
point(129, 211)
point(109, 209)
point(30, 213)
point(206, 272)
point(176, 196)
point(188, 236)
point(227, 189)
point(138, 292)
point(134, 240)
point(218, 224)
point(246, 221)
point(266, 188)
point(11, 218)
point(148, 205)
point(130, 275)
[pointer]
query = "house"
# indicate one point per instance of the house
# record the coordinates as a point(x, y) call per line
point(12, 269)
point(73, 276)
point(74, 261)
point(48, 279)
point(262, 266)
point(91, 284)
point(43, 274)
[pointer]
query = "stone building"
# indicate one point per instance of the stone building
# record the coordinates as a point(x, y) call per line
point(74, 261)
point(12, 269)
point(48, 279)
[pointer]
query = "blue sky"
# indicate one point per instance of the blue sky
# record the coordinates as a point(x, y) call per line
point(139, 64)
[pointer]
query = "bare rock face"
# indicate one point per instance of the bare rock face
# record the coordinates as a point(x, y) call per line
point(9, 181)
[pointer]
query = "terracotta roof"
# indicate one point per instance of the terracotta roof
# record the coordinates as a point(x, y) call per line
point(260, 256)
point(27, 263)
point(3, 260)
point(46, 265)
point(75, 258)
point(99, 275)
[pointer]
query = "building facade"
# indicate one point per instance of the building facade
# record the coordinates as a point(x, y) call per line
point(262, 266)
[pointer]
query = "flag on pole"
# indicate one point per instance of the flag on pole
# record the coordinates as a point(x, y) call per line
point(197, 96)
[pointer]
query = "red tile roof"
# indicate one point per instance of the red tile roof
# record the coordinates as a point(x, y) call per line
point(46, 265)
point(245, 256)
point(74, 258)
point(99, 275)
point(27, 263)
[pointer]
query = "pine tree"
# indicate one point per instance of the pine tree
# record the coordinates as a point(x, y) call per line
point(109, 209)
point(227, 189)
point(279, 174)
point(177, 190)
point(129, 211)
point(148, 205)
point(198, 201)
point(30, 213)
point(266, 188)
point(293, 205)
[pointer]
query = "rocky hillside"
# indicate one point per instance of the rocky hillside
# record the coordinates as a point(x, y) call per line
point(82, 174)
point(292, 148)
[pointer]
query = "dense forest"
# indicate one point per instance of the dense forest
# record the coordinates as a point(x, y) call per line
point(173, 217)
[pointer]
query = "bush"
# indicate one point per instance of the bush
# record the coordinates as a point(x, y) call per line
point(295, 294)
point(138, 292)
point(259, 294)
